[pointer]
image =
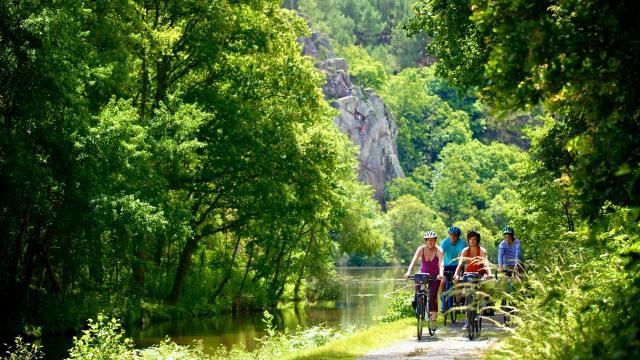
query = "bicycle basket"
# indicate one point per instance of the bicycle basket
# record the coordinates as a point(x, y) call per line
point(422, 278)
point(470, 276)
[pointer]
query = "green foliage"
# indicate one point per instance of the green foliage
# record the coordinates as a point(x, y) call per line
point(22, 351)
point(275, 344)
point(405, 186)
point(577, 309)
point(399, 307)
point(409, 219)
point(426, 123)
point(178, 153)
point(522, 54)
point(363, 69)
point(104, 339)
point(371, 24)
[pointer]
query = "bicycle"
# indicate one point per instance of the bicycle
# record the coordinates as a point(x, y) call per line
point(422, 302)
point(506, 305)
point(471, 281)
point(448, 298)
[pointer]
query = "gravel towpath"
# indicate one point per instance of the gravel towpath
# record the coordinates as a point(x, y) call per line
point(449, 342)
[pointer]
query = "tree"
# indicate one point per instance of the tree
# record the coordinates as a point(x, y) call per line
point(426, 123)
point(578, 58)
point(410, 219)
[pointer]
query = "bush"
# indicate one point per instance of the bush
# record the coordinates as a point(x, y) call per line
point(22, 351)
point(400, 306)
point(104, 339)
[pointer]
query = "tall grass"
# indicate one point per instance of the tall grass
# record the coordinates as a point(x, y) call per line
point(582, 303)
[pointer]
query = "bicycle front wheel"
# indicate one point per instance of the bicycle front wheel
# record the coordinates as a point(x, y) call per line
point(505, 311)
point(420, 315)
point(471, 318)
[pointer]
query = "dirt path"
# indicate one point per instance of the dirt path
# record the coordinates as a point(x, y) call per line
point(449, 342)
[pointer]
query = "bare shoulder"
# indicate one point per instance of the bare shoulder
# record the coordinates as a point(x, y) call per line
point(483, 250)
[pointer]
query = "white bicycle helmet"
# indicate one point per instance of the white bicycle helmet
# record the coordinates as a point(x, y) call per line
point(430, 234)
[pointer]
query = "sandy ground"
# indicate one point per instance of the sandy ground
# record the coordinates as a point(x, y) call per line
point(449, 342)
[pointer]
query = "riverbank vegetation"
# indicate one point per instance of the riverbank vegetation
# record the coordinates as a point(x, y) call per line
point(166, 159)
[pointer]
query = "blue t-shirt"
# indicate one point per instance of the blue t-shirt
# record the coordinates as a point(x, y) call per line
point(451, 252)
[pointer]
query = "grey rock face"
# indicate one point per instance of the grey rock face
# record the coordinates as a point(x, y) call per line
point(363, 117)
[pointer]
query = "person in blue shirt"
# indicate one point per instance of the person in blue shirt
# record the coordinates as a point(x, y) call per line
point(508, 251)
point(452, 246)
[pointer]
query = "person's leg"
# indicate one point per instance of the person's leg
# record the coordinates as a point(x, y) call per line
point(433, 298)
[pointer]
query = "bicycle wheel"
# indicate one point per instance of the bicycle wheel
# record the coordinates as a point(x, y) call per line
point(445, 307)
point(431, 323)
point(454, 313)
point(471, 316)
point(420, 315)
point(505, 311)
point(479, 322)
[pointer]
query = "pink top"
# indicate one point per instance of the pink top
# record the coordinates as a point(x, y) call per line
point(430, 267)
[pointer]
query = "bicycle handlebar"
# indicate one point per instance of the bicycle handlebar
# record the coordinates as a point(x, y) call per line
point(508, 272)
point(422, 277)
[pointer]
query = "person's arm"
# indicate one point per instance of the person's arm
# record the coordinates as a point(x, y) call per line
point(460, 261)
point(517, 257)
point(500, 256)
point(413, 262)
point(483, 253)
point(441, 263)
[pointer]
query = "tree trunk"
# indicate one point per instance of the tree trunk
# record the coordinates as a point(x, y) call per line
point(246, 270)
point(227, 275)
point(567, 212)
point(183, 267)
point(303, 264)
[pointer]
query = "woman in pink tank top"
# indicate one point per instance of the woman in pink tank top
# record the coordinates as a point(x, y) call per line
point(431, 263)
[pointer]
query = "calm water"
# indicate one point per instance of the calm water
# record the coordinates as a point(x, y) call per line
point(362, 300)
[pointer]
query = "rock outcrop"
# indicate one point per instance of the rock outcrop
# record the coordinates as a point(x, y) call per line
point(364, 117)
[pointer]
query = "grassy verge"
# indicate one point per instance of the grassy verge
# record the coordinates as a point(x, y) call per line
point(360, 342)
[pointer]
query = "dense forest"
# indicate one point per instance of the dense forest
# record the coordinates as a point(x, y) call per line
point(161, 159)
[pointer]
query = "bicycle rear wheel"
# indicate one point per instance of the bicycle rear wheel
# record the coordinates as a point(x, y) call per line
point(420, 315)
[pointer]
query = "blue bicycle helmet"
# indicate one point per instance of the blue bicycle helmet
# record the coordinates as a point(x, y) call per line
point(454, 230)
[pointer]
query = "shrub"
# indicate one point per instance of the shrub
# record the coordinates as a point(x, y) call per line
point(399, 307)
point(22, 351)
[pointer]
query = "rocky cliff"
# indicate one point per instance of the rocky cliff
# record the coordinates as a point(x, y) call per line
point(363, 117)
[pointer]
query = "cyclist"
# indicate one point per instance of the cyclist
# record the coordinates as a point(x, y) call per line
point(475, 259)
point(452, 246)
point(509, 251)
point(431, 256)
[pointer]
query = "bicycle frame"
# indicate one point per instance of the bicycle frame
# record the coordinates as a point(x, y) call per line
point(448, 297)
point(505, 305)
point(422, 302)
point(471, 281)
